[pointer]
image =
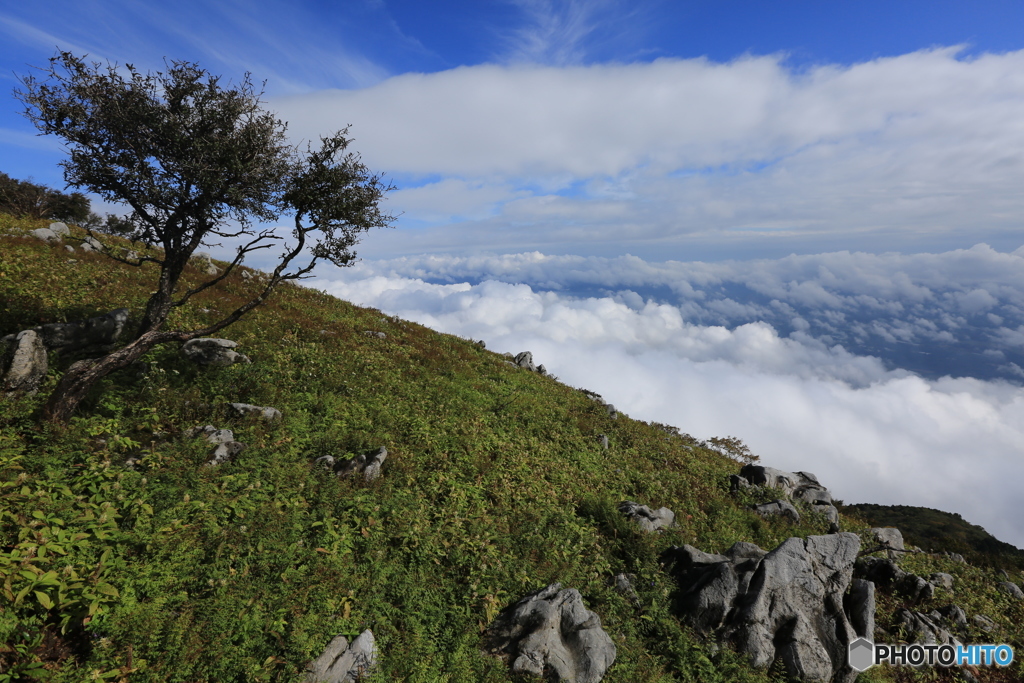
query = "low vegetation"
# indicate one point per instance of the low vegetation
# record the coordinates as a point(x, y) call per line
point(496, 485)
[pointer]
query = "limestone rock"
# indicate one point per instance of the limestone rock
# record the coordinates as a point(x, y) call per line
point(787, 603)
point(212, 351)
point(60, 229)
point(649, 520)
point(953, 615)
point(344, 663)
point(623, 584)
point(525, 360)
point(802, 486)
point(97, 333)
point(204, 262)
point(924, 628)
point(368, 464)
point(1011, 589)
point(778, 507)
point(891, 538)
point(831, 514)
point(603, 440)
point(551, 633)
point(23, 363)
point(263, 412)
point(984, 623)
point(738, 483)
point(225, 447)
point(885, 572)
point(46, 235)
point(860, 606)
point(941, 580)
point(90, 243)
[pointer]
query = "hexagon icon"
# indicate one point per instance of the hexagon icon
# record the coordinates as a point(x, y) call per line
point(862, 654)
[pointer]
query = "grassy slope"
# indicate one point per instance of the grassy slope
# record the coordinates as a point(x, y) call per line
point(495, 486)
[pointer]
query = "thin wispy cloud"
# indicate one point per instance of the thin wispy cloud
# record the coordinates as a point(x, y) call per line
point(556, 33)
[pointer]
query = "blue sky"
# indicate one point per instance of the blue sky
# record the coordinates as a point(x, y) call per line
point(798, 223)
point(424, 83)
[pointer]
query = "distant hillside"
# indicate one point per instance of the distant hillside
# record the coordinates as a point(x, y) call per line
point(934, 529)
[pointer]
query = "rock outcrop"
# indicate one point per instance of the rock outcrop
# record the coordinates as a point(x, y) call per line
point(525, 360)
point(341, 662)
point(1011, 589)
point(891, 539)
point(551, 633)
point(778, 508)
point(885, 572)
point(212, 351)
point(225, 447)
point(802, 486)
point(367, 464)
point(649, 520)
point(263, 412)
point(798, 486)
point(97, 334)
point(787, 603)
point(23, 363)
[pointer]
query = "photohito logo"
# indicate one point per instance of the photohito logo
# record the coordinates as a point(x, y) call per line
point(864, 654)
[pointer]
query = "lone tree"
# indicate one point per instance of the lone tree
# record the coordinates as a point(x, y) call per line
point(197, 161)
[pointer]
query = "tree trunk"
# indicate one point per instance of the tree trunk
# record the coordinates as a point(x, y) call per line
point(82, 376)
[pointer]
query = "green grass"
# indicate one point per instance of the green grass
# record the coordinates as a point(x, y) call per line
point(495, 485)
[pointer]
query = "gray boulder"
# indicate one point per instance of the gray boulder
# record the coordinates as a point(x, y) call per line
point(885, 572)
point(953, 615)
point(802, 486)
point(603, 440)
point(649, 520)
point(788, 603)
point(525, 360)
point(60, 229)
point(90, 243)
point(263, 412)
point(225, 448)
point(46, 235)
point(890, 538)
point(98, 333)
point(23, 363)
point(204, 262)
point(941, 580)
point(1011, 589)
point(738, 483)
point(860, 606)
point(831, 514)
point(368, 464)
point(927, 629)
point(780, 508)
point(341, 662)
point(623, 585)
point(984, 623)
point(550, 633)
point(212, 351)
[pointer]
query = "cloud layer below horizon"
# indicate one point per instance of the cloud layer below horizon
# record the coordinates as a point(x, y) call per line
point(871, 430)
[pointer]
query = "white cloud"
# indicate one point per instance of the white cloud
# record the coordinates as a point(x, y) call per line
point(656, 156)
point(872, 434)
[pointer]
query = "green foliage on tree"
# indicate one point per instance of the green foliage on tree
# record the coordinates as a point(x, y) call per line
point(27, 199)
point(196, 161)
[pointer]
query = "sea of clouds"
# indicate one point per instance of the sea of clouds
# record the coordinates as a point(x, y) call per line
point(814, 361)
